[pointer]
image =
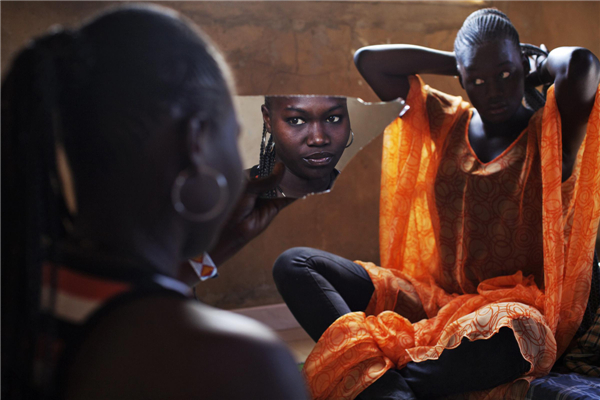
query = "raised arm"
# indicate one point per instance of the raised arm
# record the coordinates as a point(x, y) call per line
point(575, 72)
point(386, 67)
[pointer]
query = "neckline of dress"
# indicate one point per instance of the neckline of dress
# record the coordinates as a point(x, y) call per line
point(499, 156)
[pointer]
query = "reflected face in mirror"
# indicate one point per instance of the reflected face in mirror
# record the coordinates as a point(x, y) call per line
point(309, 135)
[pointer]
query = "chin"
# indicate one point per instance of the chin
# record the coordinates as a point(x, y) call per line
point(320, 173)
point(495, 119)
point(500, 118)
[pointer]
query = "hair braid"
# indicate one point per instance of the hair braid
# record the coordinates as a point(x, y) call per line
point(34, 206)
point(267, 155)
point(262, 150)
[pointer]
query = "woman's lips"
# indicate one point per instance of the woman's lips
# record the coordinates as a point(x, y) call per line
point(318, 159)
point(498, 109)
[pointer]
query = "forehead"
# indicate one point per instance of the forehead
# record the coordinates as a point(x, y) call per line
point(308, 104)
point(490, 55)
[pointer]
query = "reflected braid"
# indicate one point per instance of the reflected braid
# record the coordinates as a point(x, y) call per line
point(267, 159)
point(261, 162)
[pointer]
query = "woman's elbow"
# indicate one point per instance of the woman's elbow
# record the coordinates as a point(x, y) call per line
point(584, 67)
point(359, 57)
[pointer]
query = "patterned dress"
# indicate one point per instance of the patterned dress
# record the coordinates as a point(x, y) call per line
point(469, 247)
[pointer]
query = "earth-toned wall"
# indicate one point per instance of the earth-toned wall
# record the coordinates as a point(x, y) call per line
point(306, 48)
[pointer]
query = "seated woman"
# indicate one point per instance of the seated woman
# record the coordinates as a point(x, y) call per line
point(488, 216)
point(308, 135)
point(128, 123)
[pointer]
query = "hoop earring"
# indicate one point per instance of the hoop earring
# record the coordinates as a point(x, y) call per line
point(216, 210)
point(351, 140)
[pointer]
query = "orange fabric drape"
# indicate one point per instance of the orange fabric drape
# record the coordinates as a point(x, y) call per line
point(475, 246)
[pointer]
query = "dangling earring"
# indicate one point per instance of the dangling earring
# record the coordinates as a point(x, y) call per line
point(351, 139)
point(216, 210)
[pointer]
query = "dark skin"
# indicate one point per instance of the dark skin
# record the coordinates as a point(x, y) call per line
point(310, 135)
point(493, 76)
point(250, 217)
point(160, 348)
point(575, 72)
point(164, 348)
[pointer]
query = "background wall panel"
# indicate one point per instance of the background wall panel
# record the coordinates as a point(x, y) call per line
point(306, 48)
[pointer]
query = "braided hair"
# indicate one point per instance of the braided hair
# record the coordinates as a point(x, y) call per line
point(490, 24)
point(97, 92)
point(34, 206)
point(267, 154)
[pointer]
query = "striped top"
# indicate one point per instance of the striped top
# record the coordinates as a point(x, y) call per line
point(72, 304)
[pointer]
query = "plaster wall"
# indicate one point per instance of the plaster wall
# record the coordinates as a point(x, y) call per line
point(306, 48)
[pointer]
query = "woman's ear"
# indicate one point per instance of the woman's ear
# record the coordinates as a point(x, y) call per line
point(266, 117)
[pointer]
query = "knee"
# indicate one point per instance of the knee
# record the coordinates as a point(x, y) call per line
point(289, 261)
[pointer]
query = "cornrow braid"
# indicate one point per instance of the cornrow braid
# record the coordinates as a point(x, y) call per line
point(483, 26)
point(267, 156)
point(490, 24)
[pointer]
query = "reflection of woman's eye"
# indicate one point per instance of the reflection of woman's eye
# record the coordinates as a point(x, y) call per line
point(333, 119)
point(478, 82)
point(296, 121)
point(505, 74)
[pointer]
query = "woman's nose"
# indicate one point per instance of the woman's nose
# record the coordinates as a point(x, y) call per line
point(317, 136)
point(496, 88)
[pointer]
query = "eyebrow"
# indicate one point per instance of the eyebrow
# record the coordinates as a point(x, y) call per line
point(301, 110)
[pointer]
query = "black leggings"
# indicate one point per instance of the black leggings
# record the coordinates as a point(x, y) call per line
point(319, 287)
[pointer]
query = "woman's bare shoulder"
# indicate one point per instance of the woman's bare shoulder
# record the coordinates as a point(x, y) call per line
point(168, 347)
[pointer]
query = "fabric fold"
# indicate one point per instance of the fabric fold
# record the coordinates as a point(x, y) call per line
point(470, 247)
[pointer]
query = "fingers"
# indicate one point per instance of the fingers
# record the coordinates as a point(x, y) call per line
point(281, 202)
point(260, 218)
point(543, 47)
point(262, 185)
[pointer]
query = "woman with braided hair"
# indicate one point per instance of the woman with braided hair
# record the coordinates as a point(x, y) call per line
point(119, 162)
point(308, 135)
point(488, 215)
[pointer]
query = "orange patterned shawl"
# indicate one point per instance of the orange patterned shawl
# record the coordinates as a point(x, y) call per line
point(475, 246)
